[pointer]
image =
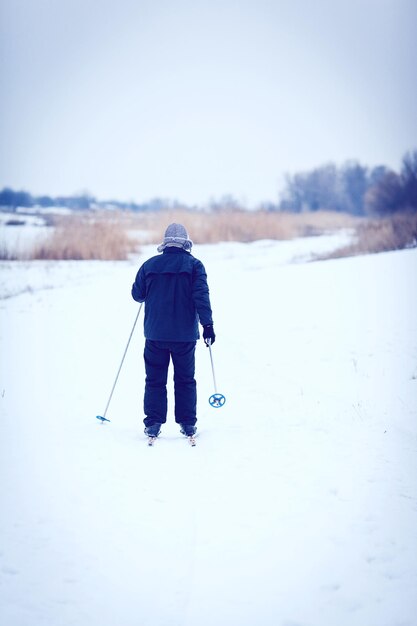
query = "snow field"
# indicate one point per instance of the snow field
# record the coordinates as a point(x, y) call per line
point(297, 507)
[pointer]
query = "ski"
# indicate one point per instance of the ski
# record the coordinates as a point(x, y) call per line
point(190, 438)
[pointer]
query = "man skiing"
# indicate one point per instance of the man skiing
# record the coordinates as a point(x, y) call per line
point(173, 286)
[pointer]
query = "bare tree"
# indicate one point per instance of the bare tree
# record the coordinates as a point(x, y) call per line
point(386, 196)
point(409, 180)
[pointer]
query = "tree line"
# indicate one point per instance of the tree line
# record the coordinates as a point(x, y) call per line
point(353, 188)
point(350, 188)
point(12, 199)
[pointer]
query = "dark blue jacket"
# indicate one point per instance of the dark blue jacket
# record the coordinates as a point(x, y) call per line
point(174, 287)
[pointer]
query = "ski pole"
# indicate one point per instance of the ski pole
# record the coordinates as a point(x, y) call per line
point(103, 417)
point(216, 399)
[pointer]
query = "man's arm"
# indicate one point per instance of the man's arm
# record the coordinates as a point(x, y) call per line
point(139, 286)
point(201, 295)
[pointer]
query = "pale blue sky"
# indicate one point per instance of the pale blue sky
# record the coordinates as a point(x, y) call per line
point(186, 99)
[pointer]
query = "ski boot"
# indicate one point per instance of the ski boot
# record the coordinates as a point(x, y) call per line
point(188, 431)
point(152, 433)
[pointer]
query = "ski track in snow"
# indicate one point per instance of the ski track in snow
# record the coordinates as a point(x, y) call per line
point(297, 507)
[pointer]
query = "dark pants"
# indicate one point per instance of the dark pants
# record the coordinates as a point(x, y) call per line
point(157, 355)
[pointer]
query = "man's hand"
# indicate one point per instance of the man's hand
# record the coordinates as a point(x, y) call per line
point(208, 334)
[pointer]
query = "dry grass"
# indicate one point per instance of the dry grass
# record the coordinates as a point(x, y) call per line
point(243, 226)
point(114, 236)
point(80, 238)
point(6, 254)
point(106, 237)
point(381, 235)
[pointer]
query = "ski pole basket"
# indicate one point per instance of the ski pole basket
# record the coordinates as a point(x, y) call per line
point(217, 400)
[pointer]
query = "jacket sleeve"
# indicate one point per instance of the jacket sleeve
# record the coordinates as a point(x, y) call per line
point(139, 286)
point(201, 296)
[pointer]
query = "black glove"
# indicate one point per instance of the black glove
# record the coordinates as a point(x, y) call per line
point(208, 333)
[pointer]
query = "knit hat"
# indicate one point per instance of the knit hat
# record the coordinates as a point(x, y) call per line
point(176, 235)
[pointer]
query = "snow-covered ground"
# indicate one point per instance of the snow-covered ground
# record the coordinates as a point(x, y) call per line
point(20, 232)
point(297, 507)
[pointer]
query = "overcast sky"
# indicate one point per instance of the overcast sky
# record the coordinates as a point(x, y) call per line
point(190, 99)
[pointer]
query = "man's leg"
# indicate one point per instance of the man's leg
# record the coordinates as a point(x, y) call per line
point(183, 358)
point(155, 399)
